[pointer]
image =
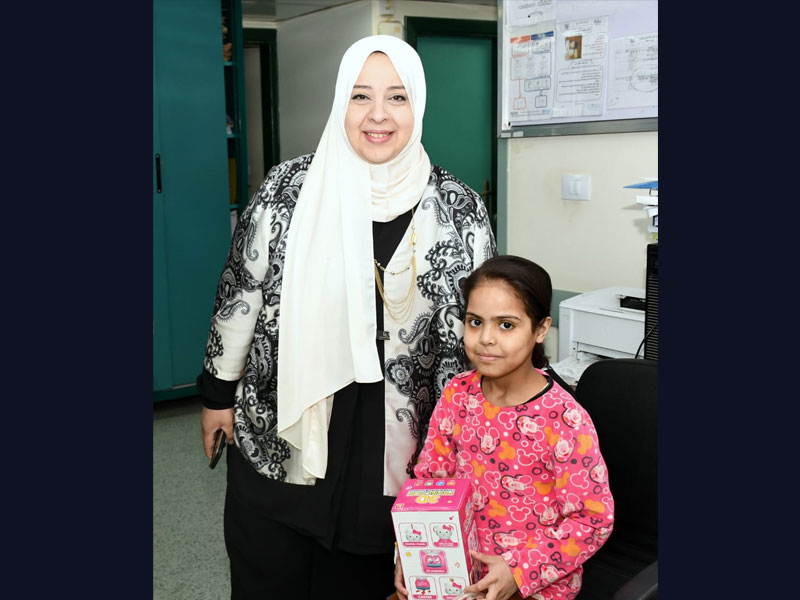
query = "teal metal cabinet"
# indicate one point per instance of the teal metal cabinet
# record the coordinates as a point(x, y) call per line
point(191, 197)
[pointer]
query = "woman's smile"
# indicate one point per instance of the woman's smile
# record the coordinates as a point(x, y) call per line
point(379, 120)
point(378, 137)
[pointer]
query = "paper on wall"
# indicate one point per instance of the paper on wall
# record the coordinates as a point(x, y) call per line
point(523, 13)
point(633, 72)
point(580, 53)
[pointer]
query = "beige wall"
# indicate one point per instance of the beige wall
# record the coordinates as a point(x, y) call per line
point(309, 51)
point(584, 245)
point(435, 10)
point(258, 24)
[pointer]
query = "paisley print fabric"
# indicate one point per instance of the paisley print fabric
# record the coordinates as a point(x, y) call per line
point(453, 237)
point(540, 487)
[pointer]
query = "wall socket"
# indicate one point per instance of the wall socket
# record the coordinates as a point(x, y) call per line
point(576, 187)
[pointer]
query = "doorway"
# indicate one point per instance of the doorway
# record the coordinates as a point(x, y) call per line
point(459, 129)
point(261, 92)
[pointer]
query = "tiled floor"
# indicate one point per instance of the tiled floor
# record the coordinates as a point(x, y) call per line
point(189, 559)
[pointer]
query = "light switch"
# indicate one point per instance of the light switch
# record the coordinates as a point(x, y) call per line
point(576, 187)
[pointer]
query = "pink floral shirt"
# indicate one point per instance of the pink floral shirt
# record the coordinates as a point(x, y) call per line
point(540, 487)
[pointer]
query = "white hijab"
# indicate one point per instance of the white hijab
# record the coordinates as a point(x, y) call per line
point(327, 311)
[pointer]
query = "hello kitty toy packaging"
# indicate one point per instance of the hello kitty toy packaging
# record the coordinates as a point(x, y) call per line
point(435, 529)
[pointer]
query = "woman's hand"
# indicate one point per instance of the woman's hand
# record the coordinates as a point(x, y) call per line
point(499, 582)
point(399, 583)
point(212, 420)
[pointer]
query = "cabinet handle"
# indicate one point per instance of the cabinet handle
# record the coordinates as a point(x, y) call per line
point(158, 173)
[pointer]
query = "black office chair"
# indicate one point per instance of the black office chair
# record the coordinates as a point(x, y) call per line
point(621, 397)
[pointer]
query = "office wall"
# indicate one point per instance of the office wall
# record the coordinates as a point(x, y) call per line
point(309, 51)
point(435, 10)
point(252, 23)
point(584, 245)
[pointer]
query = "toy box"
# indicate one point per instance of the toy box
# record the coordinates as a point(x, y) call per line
point(435, 529)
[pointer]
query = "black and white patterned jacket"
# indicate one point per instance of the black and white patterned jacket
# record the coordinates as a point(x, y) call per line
point(453, 237)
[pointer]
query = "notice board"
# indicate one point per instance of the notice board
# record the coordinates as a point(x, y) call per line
point(577, 66)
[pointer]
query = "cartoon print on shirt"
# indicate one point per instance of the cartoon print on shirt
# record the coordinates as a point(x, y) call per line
point(489, 437)
point(572, 504)
point(521, 514)
point(509, 540)
point(446, 426)
point(479, 498)
point(563, 450)
point(518, 485)
point(531, 427)
point(572, 417)
point(575, 582)
point(551, 572)
point(601, 535)
point(474, 405)
point(598, 473)
point(554, 533)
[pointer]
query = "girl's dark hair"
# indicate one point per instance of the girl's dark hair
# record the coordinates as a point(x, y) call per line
point(531, 283)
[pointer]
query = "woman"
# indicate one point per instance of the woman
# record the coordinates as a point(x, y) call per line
point(355, 254)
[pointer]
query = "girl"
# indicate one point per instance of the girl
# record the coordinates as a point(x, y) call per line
point(540, 489)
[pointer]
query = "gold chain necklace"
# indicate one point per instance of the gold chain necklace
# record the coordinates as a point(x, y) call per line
point(400, 310)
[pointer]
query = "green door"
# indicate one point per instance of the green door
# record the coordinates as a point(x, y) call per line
point(458, 130)
point(191, 219)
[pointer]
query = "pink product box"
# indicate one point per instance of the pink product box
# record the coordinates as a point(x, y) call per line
point(435, 529)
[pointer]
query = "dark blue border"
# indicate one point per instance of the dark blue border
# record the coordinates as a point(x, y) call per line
point(725, 409)
point(78, 299)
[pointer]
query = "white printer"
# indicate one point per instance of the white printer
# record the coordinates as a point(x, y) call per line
point(607, 323)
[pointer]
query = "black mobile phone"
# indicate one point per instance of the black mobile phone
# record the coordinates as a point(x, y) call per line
point(219, 446)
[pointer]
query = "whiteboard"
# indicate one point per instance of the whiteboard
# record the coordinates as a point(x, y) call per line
point(577, 66)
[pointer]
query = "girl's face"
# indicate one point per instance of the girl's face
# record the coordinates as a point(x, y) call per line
point(379, 121)
point(498, 334)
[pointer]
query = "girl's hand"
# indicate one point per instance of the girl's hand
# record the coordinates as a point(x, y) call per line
point(499, 582)
point(399, 583)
